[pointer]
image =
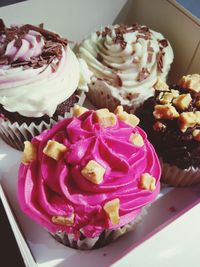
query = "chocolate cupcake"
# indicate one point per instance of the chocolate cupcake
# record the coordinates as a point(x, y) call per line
point(40, 80)
point(125, 62)
point(172, 122)
point(88, 179)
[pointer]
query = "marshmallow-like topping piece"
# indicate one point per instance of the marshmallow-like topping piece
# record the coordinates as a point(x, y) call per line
point(93, 172)
point(63, 220)
point(137, 139)
point(78, 110)
point(147, 182)
point(130, 119)
point(105, 117)
point(29, 154)
point(112, 210)
point(54, 149)
point(191, 82)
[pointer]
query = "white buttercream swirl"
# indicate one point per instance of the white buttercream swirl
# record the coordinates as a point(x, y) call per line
point(31, 45)
point(117, 67)
point(35, 92)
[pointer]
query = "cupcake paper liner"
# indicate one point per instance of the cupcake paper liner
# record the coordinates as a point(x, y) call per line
point(175, 176)
point(15, 135)
point(102, 98)
point(106, 237)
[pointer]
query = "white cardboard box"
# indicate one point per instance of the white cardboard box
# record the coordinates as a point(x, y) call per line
point(170, 232)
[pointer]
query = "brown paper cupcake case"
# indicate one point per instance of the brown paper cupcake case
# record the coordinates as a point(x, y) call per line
point(106, 237)
point(174, 176)
point(15, 135)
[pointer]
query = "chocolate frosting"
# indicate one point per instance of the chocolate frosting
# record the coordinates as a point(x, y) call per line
point(173, 146)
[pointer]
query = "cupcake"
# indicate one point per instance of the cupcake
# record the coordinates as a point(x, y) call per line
point(125, 62)
point(40, 80)
point(88, 178)
point(172, 121)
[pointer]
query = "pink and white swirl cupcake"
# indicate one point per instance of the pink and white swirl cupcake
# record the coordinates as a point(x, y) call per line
point(39, 81)
point(88, 178)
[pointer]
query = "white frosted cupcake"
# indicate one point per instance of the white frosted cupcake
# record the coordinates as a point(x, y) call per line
point(40, 80)
point(126, 62)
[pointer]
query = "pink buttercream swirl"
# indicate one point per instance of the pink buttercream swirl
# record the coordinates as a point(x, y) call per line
point(48, 187)
point(31, 45)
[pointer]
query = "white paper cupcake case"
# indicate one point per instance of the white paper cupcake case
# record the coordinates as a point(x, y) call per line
point(175, 176)
point(97, 242)
point(101, 97)
point(15, 135)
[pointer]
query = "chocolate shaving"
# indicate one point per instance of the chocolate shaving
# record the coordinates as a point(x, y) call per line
point(18, 43)
point(119, 39)
point(99, 57)
point(98, 33)
point(41, 25)
point(20, 64)
point(149, 57)
point(163, 42)
point(2, 26)
point(47, 34)
point(38, 38)
point(149, 48)
point(143, 74)
point(159, 59)
point(131, 96)
point(119, 81)
point(53, 45)
point(106, 31)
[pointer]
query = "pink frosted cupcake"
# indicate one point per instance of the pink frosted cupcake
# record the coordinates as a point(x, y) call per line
point(88, 179)
point(40, 80)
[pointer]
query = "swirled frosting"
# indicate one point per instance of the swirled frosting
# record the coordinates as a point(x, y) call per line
point(126, 61)
point(38, 70)
point(49, 187)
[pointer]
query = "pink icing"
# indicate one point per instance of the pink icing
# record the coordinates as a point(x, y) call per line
point(47, 187)
point(31, 46)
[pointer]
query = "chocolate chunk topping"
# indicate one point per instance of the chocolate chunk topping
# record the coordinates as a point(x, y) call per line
point(173, 146)
point(143, 74)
